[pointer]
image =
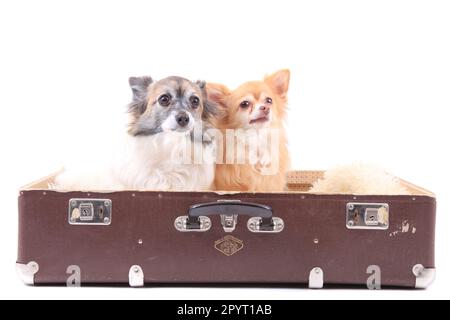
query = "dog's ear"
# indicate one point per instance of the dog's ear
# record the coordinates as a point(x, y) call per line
point(201, 84)
point(279, 82)
point(217, 92)
point(139, 86)
point(211, 108)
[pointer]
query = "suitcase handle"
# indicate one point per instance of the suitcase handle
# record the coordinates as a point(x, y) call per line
point(231, 208)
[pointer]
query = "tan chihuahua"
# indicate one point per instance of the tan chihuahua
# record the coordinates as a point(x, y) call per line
point(254, 116)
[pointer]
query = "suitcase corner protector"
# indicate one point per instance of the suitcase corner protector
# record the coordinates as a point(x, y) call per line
point(27, 272)
point(424, 276)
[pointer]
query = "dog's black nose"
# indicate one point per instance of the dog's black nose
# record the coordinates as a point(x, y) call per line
point(182, 119)
point(264, 109)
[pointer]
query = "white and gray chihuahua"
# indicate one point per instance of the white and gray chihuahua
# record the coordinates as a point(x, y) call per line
point(166, 147)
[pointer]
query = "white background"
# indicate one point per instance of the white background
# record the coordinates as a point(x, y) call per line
point(370, 82)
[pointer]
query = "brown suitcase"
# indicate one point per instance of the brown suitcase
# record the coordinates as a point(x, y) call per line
point(206, 238)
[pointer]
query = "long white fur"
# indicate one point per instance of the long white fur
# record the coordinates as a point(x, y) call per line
point(359, 179)
point(144, 163)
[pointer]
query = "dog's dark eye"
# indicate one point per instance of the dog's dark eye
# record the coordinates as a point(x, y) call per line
point(245, 104)
point(269, 100)
point(164, 100)
point(195, 102)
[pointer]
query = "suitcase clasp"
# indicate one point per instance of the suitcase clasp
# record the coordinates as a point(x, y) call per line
point(90, 212)
point(372, 216)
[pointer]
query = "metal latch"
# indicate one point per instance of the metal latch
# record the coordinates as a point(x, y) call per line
point(373, 216)
point(229, 222)
point(181, 224)
point(90, 211)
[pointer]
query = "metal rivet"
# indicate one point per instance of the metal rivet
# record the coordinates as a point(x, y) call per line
point(160, 196)
point(351, 207)
point(303, 197)
point(354, 198)
point(414, 199)
point(133, 195)
point(107, 203)
point(418, 270)
point(350, 223)
point(316, 241)
point(136, 270)
point(317, 270)
point(106, 220)
point(44, 193)
point(140, 241)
